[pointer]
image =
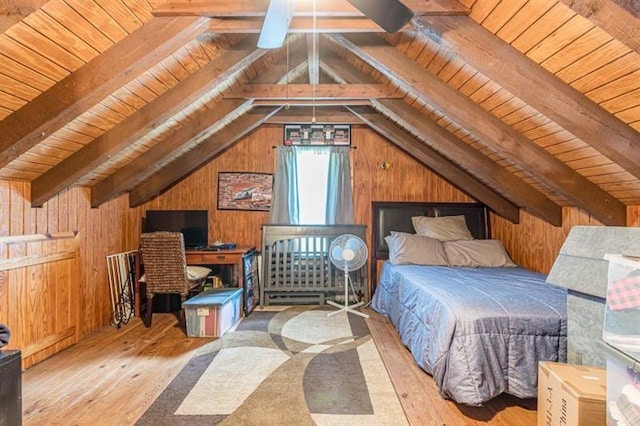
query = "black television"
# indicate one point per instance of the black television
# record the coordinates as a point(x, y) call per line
point(194, 225)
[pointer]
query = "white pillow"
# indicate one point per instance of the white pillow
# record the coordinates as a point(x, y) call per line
point(414, 249)
point(196, 273)
point(475, 253)
point(443, 228)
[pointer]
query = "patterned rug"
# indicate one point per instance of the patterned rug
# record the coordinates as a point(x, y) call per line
point(295, 366)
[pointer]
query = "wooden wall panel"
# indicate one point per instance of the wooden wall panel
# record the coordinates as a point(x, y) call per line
point(199, 190)
point(633, 215)
point(40, 309)
point(405, 180)
point(535, 244)
point(50, 306)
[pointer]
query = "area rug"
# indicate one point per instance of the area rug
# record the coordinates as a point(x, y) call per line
point(295, 366)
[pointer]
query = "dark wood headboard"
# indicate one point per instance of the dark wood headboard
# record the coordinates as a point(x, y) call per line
point(396, 216)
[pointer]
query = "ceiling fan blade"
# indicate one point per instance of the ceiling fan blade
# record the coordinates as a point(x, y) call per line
point(276, 24)
point(390, 15)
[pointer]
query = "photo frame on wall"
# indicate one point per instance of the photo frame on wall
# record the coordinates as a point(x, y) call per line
point(244, 191)
point(317, 134)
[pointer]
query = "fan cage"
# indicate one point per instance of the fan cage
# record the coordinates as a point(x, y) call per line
point(354, 243)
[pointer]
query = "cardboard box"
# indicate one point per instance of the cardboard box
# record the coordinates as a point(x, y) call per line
point(571, 394)
point(213, 312)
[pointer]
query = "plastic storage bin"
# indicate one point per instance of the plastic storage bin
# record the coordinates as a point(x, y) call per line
point(622, 313)
point(623, 387)
point(213, 312)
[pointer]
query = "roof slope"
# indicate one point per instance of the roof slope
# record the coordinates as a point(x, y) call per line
point(530, 104)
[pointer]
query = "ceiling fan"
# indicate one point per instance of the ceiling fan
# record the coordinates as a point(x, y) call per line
point(390, 15)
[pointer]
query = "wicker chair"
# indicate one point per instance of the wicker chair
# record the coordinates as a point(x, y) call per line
point(165, 268)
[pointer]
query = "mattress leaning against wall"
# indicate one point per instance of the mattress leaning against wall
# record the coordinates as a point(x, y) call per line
point(582, 269)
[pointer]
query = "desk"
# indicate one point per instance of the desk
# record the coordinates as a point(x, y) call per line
point(232, 257)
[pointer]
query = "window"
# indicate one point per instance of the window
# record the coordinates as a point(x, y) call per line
point(312, 175)
point(312, 186)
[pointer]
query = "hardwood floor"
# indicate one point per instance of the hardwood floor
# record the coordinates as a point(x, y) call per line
point(111, 376)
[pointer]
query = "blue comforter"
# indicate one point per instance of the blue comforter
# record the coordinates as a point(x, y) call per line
point(478, 331)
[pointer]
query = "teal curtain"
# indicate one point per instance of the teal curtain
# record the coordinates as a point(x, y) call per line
point(285, 203)
point(284, 199)
point(339, 193)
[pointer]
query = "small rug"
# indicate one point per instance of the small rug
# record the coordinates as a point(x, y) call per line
point(296, 366)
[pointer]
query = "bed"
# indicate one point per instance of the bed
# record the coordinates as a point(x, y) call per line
point(479, 331)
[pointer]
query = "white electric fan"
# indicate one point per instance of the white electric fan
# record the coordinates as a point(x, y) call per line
point(348, 253)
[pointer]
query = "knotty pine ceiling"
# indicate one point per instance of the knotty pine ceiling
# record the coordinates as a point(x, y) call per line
point(531, 104)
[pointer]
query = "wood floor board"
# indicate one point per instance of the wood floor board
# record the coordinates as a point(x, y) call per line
point(109, 377)
point(113, 375)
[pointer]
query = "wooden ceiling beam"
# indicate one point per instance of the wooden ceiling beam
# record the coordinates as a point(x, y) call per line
point(150, 116)
point(311, 102)
point(537, 87)
point(415, 79)
point(152, 161)
point(288, 69)
point(438, 163)
point(313, 53)
point(454, 149)
point(200, 155)
point(304, 114)
point(293, 92)
point(478, 164)
point(200, 127)
point(323, 8)
point(299, 25)
point(620, 18)
point(94, 81)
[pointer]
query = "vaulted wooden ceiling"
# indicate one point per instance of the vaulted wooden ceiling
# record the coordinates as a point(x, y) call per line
point(531, 104)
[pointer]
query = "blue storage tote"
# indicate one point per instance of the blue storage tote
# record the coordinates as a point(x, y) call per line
point(213, 312)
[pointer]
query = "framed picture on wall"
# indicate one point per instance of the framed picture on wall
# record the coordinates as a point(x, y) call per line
point(244, 191)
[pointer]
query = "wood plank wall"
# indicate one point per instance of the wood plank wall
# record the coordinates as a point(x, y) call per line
point(50, 306)
point(406, 180)
point(114, 228)
point(199, 190)
point(533, 243)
